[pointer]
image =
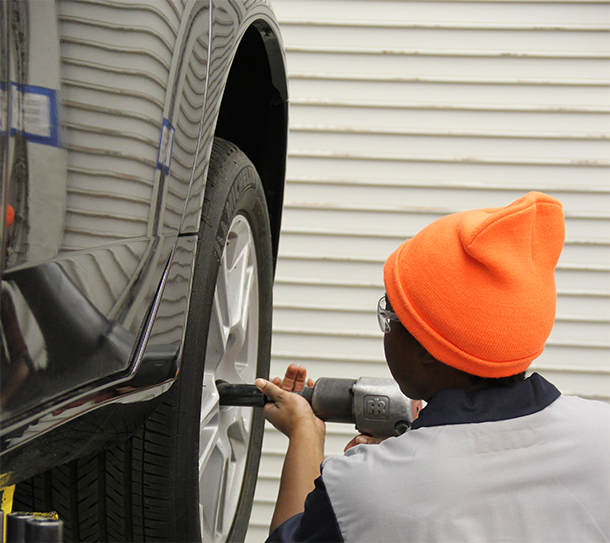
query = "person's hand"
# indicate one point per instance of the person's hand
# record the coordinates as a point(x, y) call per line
point(292, 415)
point(362, 440)
point(288, 412)
point(294, 379)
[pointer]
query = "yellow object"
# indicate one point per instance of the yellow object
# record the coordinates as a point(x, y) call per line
point(7, 505)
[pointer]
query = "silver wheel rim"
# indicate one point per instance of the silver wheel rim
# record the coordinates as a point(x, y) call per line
point(231, 355)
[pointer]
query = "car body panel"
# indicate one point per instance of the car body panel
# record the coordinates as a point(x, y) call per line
point(98, 264)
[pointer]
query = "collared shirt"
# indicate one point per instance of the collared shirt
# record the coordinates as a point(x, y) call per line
point(521, 463)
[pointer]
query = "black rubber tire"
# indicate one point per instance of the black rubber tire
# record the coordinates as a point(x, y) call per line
point(146, 489)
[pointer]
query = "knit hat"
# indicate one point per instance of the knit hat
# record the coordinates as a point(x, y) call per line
point(477, 288)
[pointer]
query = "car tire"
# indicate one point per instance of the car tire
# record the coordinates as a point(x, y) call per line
point(189, 473)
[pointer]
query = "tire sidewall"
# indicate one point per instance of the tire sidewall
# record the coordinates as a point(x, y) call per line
point(233, 189)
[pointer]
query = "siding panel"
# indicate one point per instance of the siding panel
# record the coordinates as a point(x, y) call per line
point(402, 112)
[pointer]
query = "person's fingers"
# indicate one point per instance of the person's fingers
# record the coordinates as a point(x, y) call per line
point(294, 380)
point(269, 389)
point(300, 378)
point(289, 378)
point(368, 440)
point(362, 440)
point(351, 444)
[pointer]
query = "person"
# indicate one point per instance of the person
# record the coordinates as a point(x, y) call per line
point(494, 456)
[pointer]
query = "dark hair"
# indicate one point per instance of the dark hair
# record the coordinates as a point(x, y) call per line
point(497, 381)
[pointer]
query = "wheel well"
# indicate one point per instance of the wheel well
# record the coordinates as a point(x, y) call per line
point(254, 113)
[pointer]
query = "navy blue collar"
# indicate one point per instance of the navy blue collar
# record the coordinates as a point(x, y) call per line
point(456, 406)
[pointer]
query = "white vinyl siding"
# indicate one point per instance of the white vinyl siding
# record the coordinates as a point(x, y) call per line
point(402, 112)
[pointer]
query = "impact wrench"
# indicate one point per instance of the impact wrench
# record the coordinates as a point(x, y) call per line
point(376, 406)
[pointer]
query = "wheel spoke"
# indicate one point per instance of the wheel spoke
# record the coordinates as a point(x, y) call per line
point(210, 400)
point(219, 323)
point(231, 355)
point(239, 284)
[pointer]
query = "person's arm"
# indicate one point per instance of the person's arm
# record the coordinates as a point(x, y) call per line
point(292, 415)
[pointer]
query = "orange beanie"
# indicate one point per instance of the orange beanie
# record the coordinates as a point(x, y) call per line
point(477, 288)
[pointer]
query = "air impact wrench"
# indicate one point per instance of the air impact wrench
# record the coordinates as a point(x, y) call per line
point(376, 406)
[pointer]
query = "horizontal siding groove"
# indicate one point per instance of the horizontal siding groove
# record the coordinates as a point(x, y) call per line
point(358, 77)
point(512, 2)
point(105, 215)
point(504, 161)
point(110, 153)
point(448, 107)
point(578, 344)
point(267, 476)
point(343, 234)
point(112, 133)
point(403, 236)
point(299, 355)
point(431, 185)
point(135, 6)
point(570, 369)
point(324, 308)
point(581, 292)
point(108, 194)
point(328, 282)
point(172, 4)
point(376, 335)
point(381, 260)
point(584, 267)
point(383, 131)
point(591, 319)
point(192, 116)
point(257, 523)
point(326, 332)
point(468, 53)
point(379, 284)
point(415, 211)
point(113, 90)
point(403, 25)
point(189, 99)
point(423, 211)
point(115, 70)
point(267, 501)
point(116, 49)
point(113, 112)
point(120, 27)
point(178, 160)
point(317, 257)
point(107, 173)
point(89, 233)
point(369, 311)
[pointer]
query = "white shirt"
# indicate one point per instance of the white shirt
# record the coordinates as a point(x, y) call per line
point(538, 477)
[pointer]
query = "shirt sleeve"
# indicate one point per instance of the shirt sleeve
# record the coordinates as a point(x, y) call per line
point(317, 523)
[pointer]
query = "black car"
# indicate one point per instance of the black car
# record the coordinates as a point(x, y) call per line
point(142, 159)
